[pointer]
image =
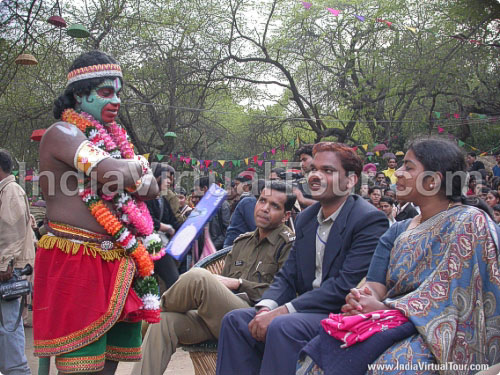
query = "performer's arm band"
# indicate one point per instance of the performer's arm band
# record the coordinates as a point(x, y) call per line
point(87, 156)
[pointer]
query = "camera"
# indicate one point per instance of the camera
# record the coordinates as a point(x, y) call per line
point(17, 287)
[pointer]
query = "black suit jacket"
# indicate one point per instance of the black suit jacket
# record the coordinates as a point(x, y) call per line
point(161, 212)
point(348, 252)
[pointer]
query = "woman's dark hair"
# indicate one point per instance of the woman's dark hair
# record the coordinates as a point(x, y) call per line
point(83, 87)
point(496, 207)
point(439, 155)
point(6, 162)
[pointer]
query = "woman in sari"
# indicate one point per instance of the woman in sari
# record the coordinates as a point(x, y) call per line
point(440, 269)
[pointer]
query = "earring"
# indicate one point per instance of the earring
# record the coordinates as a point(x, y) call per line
point(431, 186)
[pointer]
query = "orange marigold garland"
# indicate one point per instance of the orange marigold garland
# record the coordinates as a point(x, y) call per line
point(132, 214)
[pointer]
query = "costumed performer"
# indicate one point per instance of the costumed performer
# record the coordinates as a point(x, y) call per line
point(93, 283)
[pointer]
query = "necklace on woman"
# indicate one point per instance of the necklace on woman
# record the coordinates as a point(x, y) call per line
point(417, 220)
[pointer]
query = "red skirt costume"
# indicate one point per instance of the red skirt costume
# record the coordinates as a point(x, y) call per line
point(81, 290)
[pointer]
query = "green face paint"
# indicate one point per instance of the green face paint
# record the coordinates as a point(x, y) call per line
point(103, 102)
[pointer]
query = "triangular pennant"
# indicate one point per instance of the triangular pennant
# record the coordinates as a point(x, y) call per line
point(284, 161)
point(15, 173)
point(482, 116)
point(460, 143)
point(292, 142)
point(146, 156)
point(255, 159)
point(260, 162)
point(170, 156)
point(208, 162)
point(335, 12)
point(238, 163)
point(361, 18)
point(473, 148)
point(282, 147)
point(264, 155)
point(194, 162)
point(202, 162)
point(246, 161)
point(412, 29)
point(377, 152)
point(369, 158)
point(187, 160)
point(483, 154)
point(160, 157)
point(438, 114)
point(230, 164)
point(355, 148)
point(440, 129)
point(456, 115)
point(273, 151)
point(222, 162)
point(365, 147)
point(273, 162)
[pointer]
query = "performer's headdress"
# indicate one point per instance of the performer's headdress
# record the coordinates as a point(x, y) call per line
point(94, 71)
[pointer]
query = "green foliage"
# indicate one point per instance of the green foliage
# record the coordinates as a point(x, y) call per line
point(235, 78)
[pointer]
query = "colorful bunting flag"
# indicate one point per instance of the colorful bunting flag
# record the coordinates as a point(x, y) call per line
point(438, 114)
point(361, 18)
point(255, 159)
point(389, 24)
point(412, 29)
point(273, 151)
point(460, 143)
point(456, 115)
point(222, 162)
point(260, 162)
point(246, 161)
point(440, 129)
point(284, 161)
point(208, 162)
point(335, 12)
point(146, 156)
point(159, 157)
point(306, 5)
point(365, 147)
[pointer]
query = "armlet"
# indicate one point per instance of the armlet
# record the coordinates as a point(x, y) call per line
point(87, 156)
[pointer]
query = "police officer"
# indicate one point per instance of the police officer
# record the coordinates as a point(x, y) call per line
point(194, 306)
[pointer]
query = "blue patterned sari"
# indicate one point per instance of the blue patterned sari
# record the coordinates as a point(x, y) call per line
point(444, 276)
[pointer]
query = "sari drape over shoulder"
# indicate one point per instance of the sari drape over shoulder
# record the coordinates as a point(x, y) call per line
point(444, 276)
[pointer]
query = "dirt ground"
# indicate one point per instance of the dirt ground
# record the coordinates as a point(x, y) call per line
point(179, 365)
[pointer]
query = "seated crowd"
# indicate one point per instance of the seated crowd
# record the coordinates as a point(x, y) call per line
point(414, 247)
point(317, 257)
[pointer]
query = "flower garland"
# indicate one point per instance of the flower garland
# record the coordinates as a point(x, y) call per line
point(132, 212)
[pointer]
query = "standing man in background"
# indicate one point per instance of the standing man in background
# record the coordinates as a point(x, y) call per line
point(16, 250)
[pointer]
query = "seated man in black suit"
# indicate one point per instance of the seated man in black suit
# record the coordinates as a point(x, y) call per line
point(335, 241)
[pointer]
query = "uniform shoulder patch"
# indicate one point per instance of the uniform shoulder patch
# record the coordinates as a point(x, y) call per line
point(242, 236)
point(288, 235)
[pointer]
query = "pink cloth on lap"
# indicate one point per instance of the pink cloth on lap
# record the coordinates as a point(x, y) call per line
point(357, 328)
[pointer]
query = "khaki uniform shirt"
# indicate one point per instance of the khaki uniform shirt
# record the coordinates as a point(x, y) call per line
point(257, 261)
point(16, 235)
point(173, 201)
